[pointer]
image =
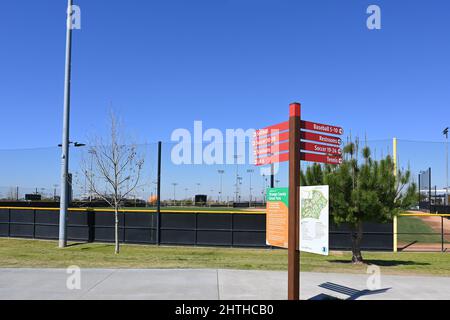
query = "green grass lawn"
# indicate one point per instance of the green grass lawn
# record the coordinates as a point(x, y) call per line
point(412, 229)
point(16, 253)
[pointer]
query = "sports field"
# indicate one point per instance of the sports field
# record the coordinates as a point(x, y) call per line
point(414, 229)
point(16, 253)
point(423, 233)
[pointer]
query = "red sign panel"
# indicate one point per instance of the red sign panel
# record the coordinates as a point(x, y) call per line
point(270, 130)
point(308, 125)
point(269, 142)
point(271, 139)
point(320, 138)
point(323, 158)
point(281, 157)
point(275, 148)
point(308, 146)
point(312, 157)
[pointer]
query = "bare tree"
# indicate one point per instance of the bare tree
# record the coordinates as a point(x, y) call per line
point(114, 165)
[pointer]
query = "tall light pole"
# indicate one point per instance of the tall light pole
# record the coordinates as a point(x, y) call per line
point(445, 132)
point(264, 191)
point(54, 191)
point(174, 192)
point(186, 196)
point(250, 171)
point(236, 157)
point(221, 172)
point(65, 136)
point(238, 189)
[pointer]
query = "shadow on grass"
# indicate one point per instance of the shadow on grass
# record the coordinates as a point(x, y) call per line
point(75, 244)
point(81, 244)
point(407, 245)
point(385, 263)
point(98, 247)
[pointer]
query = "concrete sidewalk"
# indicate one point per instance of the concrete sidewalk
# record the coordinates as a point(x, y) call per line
point(210, 284)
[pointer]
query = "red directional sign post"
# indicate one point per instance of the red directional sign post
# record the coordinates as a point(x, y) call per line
point(296, 140)
point(294, 203)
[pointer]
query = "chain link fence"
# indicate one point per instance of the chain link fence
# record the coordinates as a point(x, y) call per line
point(233, 181)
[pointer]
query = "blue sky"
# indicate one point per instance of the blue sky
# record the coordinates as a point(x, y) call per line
point(231, 64)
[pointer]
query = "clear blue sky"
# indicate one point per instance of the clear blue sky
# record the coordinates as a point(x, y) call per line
point(231, 63)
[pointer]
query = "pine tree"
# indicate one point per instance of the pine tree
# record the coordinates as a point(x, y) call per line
point(367, 191)
point(361, 191)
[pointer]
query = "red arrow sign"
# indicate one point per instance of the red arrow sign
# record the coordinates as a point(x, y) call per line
point(271, 149)
point(320, 138)
point(308, 125)
point(320, 158)
point(270, 130)
point(308, 146)
point(271, 139)
point(281, 157)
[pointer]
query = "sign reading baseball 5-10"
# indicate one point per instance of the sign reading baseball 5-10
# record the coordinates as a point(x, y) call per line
point(293, 141)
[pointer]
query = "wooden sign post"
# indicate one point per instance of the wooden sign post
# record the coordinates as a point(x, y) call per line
point(291, 141)
point(294, 203)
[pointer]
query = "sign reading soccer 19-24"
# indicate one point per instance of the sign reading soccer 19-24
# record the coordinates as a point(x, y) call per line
point(314, 219)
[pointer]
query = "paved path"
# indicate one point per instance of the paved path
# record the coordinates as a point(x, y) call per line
point(210, 284)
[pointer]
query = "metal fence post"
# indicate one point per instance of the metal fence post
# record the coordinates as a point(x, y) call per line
point(124, 227)
point(9, 223)
point(429, 188)
point(158, 198)
point(395, 222)
point(442, 234)
point(34, 224)
point(196, 229)
point(232, 230)
point(420, 194)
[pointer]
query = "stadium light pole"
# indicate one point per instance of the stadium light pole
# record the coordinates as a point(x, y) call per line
point(185, 195)
point(236, 157)
point(174, 192)
point(250, 171)
point(445, 132)
point(238, 188)
point(65, 134)
point(221, 172)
